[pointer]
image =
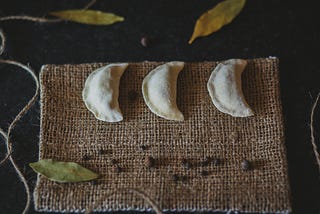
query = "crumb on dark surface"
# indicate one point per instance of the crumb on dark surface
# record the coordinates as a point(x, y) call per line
point(145, 41)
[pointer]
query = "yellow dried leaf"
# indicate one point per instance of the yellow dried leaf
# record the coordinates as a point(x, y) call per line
point(90, 17)
point(215, 18)
point(63, 171)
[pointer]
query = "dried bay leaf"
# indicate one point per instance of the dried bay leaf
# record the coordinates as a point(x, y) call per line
point(90, 17)
point(63, 171)
point(217, 17)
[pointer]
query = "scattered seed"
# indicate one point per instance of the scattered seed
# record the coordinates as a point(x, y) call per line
point(175, 178)
point(216, 161)
point(245, 165)
point(206, 161)
point(132, 95)
point(86, 157)
point(116, 169)
point(102, 152)
point(186, 164)
point(145, 41)
point(184, 178)
point(204, 173)
point(149, 162)
point(114, 162)
point(94, 182)
point(143, 148)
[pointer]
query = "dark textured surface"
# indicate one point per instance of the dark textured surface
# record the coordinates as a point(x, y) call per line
point(281, 28)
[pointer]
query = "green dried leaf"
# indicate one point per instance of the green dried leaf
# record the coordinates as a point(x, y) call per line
point(217, 17)
point(63, 171)
point(90, 17)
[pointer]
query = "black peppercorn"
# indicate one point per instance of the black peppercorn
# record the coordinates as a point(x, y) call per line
point(116, 169)
point(143, 147)
point(132, 95)
point(186, 164)
point(113, 161)
point(245, 165)
point(184, 178)
point(175, 178)
point(216, 161)
point(86, 157)
point(94, 182)
point(150, 162)
point(206, 161)
point(145, 41)
point(102, 152)
point(204, 173)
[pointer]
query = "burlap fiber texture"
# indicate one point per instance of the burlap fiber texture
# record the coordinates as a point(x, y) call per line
point(69, 131)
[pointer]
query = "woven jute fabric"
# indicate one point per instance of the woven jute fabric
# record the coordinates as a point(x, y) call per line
point(69, 131)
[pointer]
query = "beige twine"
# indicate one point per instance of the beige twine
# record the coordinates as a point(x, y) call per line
point(29, 18)
point(25, 109)
point(3, 41)
point(313, 141)
point(92, 2)
point(7, 136)
point(41, 19)
point(19, 173)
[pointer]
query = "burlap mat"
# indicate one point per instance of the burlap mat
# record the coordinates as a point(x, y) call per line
point(69, 131)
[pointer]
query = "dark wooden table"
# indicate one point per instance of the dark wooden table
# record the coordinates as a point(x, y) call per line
point(284, 29)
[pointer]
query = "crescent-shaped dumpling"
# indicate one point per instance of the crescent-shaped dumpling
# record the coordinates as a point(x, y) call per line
point(225, 90)
point(159, 89)
point(101, 92)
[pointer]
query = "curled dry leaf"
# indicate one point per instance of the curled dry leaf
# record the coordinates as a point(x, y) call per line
point(90, 17)
point(63, 171)
point(215, 18)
